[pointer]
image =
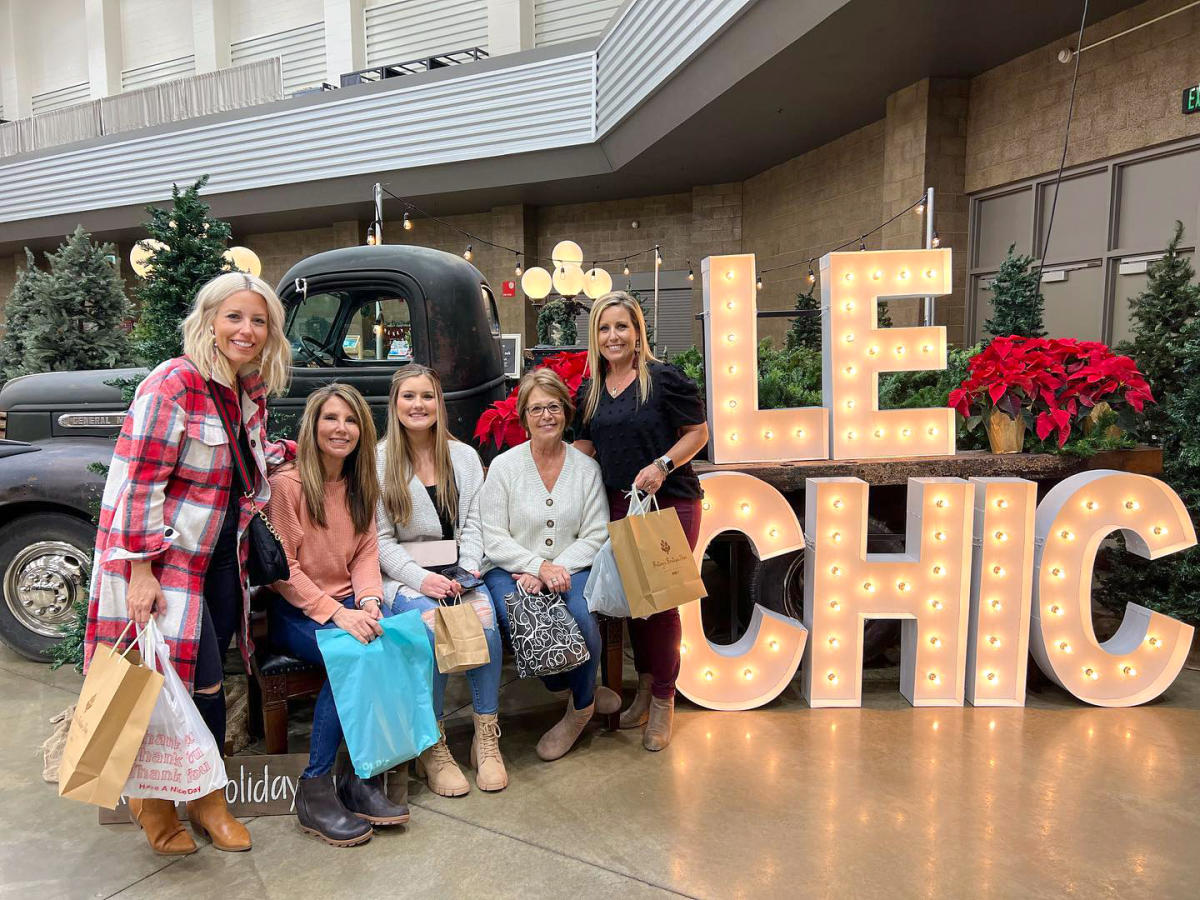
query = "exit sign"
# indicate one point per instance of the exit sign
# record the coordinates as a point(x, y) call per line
point(1191, 99)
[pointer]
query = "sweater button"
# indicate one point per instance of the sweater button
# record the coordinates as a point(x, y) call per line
point(549, 542)
point(549, 523)
point(549, 502)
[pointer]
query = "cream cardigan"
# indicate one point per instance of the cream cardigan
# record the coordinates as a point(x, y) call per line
point(398, 568)
point(525, 525)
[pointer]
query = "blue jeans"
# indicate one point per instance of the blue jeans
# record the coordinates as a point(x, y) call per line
point(484, 680)
point(582, 679)
point(296, 634)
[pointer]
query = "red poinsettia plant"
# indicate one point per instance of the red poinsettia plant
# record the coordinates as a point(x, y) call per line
point(1050, 383)
point(499, 423)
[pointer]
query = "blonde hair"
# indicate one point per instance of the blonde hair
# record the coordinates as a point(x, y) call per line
point(549, 381)
point(596, 361)
point(358, 469)
point(275, 360)
point(398, 466)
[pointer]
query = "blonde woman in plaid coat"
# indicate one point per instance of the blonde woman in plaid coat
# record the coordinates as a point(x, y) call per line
point(174, 514)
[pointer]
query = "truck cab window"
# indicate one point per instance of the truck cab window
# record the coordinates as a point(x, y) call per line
point(379, 330)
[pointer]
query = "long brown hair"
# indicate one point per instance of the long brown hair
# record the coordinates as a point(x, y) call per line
point(598, 365)
point(398, 466)
point(358, 469)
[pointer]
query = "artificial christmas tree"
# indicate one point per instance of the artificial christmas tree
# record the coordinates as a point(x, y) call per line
point(1017, 302)
point(805, 330)
point(190, 250)
point(22, 303)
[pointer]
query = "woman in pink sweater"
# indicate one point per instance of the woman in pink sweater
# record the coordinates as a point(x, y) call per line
point(324, 510)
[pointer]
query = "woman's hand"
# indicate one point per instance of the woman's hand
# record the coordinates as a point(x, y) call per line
point(145, 595)
point(650, 479)
point(439, 587)
point(359, 623)
point(554, 577)
point(531, 583)
point(372, 607)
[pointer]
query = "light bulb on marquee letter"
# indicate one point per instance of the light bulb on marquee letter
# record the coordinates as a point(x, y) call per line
point(926, 587)
point(738, 430)
point(754, 669)
point(1001, 586)
point(854, 352)
point(1145, 655)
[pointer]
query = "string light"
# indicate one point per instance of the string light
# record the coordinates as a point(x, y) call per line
point(812, 276)
point(691, 274)
point(625, 271)
point(518, 269)
point(936, 242)
point(758, 282)
point(370, 235)
point(468, 255)
point(407, 222)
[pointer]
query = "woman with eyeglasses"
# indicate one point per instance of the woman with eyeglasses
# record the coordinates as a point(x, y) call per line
point(544, 514)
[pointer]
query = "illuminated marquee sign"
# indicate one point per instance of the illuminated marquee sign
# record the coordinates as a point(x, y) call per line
point(987, 575)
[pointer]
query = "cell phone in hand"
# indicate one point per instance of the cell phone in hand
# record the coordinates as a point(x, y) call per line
point(465, 579)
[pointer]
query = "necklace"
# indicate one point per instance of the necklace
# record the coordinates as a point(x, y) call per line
point(624, 382)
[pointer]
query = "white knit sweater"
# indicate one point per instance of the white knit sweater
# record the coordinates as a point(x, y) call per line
point(525, 525)
point(397, 566)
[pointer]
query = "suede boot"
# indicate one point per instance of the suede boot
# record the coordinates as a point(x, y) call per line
point(210, 818)
point(320, 813)
point(163, 829)
point(562, 737)
point(658, 727)
point(437, 766)
point(367, 799)
point(607, 701)
point(635, 716)
point(490, 774)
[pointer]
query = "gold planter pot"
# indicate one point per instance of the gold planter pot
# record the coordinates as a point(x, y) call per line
point(1005, 434)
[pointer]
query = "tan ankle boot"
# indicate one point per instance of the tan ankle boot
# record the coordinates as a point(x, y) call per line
point(440, 771)
point(658, 726)
point(562, 737)
point(490, 774)
point(639, 709)
point(210, 818)
point(163, 830)
point(607, 701)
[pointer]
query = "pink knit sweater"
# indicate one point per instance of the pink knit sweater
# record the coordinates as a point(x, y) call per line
point(326, 563)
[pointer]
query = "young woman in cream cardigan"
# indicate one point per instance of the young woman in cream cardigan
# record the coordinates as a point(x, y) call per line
point(429, 491)
point(544, 517)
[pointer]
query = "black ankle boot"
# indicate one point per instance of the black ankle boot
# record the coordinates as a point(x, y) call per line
point(367, 799)
point(321, 813)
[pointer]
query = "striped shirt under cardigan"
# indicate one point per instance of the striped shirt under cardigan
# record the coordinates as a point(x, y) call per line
point(525, 525)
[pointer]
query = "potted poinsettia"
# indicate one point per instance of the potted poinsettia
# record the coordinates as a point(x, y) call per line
point(499, 423)
point(1047, 383)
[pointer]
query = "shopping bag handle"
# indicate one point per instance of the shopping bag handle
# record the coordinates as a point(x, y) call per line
point(148, 640)
point(639, 502)
point(117, 643)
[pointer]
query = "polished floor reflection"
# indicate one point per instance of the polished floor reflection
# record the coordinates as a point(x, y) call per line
point(785, 801)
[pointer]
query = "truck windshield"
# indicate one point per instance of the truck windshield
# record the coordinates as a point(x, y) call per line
point(337, 328)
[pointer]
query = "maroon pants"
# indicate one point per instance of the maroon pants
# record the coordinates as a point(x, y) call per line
point(655, 639)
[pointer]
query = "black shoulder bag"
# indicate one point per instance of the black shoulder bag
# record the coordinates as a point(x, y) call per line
point(267, 563)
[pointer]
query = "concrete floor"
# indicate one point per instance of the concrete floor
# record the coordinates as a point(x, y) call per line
point(883, 801)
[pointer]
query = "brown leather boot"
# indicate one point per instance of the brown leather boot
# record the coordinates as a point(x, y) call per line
point(210, 818)
point(437, 766)
point(490, 774)
point(562, 737)
point(658, 727)
point(163, 830)
point(635, 716)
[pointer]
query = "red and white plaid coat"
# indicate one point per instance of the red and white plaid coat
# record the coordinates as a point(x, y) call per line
point(167, 489)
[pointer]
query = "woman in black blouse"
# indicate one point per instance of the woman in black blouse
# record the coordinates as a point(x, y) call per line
point(643, 422)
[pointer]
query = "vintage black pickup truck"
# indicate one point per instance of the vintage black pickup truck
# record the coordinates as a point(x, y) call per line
point(353, 315)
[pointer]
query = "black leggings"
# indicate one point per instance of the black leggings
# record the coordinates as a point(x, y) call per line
point(221, 617)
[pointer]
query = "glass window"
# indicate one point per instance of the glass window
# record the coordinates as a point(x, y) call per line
point(1003, 220)
point(489, 305)
point(379, 330)
point(1080, 218)
point(313, 319)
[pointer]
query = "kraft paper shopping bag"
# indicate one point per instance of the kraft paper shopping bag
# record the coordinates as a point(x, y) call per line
point(110, 721)
point(458, 640)
point(656, 564)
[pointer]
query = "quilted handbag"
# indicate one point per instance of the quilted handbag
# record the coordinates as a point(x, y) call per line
point(545, 638)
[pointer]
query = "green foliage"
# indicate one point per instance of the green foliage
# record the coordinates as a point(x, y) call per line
point(692, 363)
point(805, 330)
point(1159, 315)
point(1166, 346)
point(69, 650)
point(194, 246)
point(1017, 302)
point(71, 317)
point(556, 323)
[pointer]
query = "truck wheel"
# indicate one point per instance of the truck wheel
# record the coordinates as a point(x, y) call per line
point(45, 566)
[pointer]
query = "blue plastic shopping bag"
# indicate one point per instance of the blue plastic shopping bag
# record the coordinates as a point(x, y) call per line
point(383, 692)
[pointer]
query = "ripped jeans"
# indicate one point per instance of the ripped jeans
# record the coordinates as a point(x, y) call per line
point(484, 680)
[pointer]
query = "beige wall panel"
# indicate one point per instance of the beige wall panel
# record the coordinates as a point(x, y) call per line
point(1154, 194)
point(254, 18)
point(55, 37)
point(153, 31)
point(1080, 218)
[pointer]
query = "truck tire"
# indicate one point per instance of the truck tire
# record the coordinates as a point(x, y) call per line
point(45, 566)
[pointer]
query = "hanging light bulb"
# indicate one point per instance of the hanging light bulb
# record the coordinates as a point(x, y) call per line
point(370, 235)
point(467, 254)
point(937, 241)
point(517, 270)
point(625, 271)
point(691, 274)
point(862, 243)
point(812, 276)
point(657, 257)
point(407, 222)
point(758, 282)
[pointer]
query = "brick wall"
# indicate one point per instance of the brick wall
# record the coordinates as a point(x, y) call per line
point(1127, 98)
point(804, 206)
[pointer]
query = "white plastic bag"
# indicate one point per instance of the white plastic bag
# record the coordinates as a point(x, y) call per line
point(604, 592)
point(178, 758)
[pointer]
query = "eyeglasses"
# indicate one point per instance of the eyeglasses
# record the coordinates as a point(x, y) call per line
point(555, 409)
